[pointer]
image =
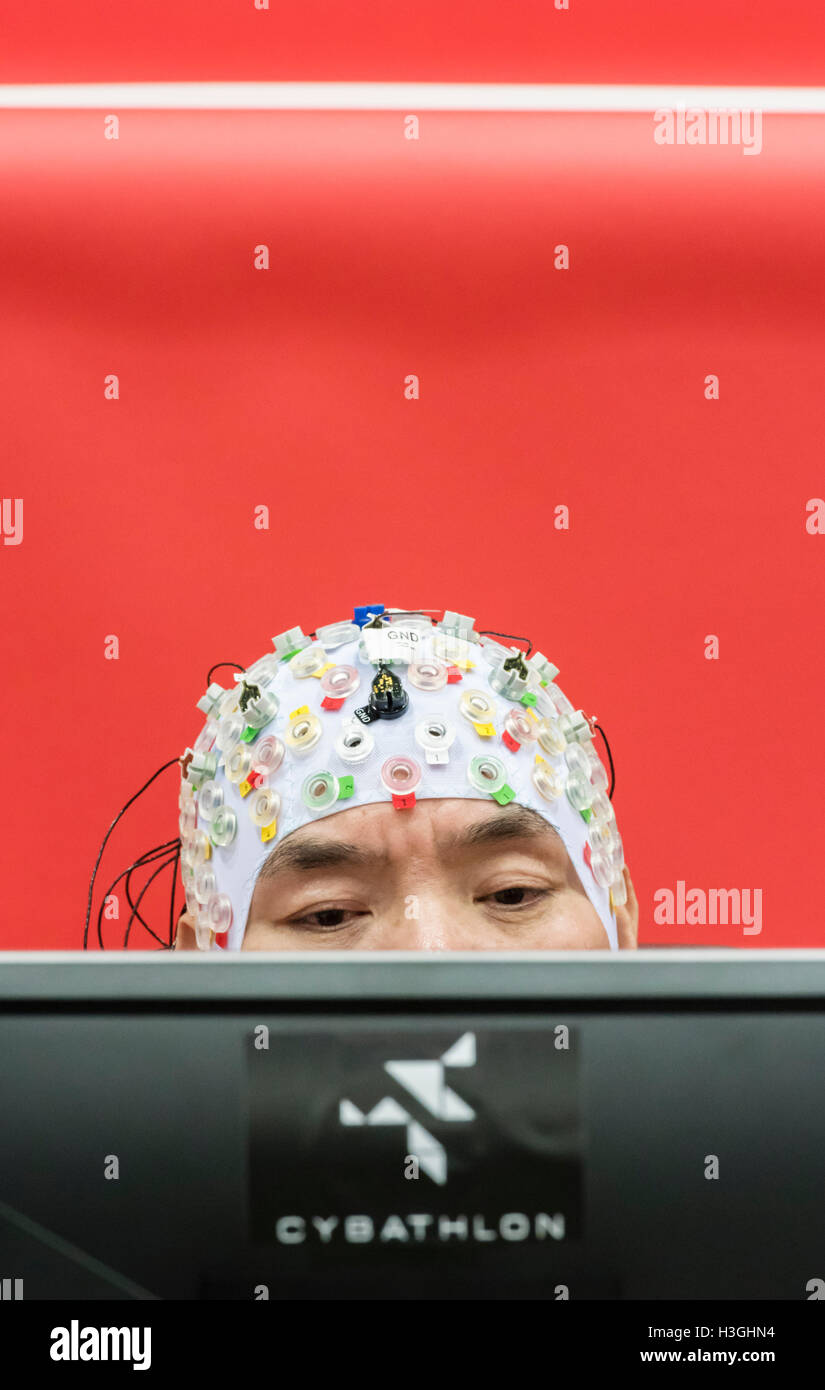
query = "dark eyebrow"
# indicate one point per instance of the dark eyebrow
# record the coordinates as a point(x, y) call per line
point(307, 856)
point(514, 823)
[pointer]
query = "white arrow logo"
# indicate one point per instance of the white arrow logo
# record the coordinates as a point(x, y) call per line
point(425, 1081)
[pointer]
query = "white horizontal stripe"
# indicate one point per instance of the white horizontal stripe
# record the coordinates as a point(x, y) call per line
point(403, 96)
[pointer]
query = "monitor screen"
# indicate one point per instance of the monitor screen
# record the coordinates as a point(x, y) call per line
point(393, 1126)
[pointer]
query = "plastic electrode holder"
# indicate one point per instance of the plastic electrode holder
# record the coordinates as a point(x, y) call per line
point(519, 728)
point(238, 763)
point(547, 781)
point(229, 732)
point(319, 791)
point(354, 744)
point(224, 827)
point(487, 774)
point(306, 663)
point(209, 701)
point(427, 673)
point(336, 634)
point(205, 882)
point(475, 706)
point(436, 736)
point(263, 671)
point(267, 755)
point(261, 711)
point(218, 912)
point(337, 684)
point(400, 776)
point(302, 733)
point(205, 741)
point(494, 652)
point(265, 807)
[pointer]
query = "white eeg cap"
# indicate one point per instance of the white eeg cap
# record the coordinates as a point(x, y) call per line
point(396, 708)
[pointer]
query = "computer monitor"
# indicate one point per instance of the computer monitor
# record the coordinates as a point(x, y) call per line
point(412, 1126)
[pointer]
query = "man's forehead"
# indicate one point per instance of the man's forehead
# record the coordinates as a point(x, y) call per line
point(359, 835)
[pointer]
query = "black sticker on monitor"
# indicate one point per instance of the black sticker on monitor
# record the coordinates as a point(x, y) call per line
point(396, 1142)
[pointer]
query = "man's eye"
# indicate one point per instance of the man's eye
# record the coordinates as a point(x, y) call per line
point(325, 918)
point(518, 896)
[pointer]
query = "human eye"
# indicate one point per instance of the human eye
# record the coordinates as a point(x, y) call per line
point(327, 918)
point(516, 896)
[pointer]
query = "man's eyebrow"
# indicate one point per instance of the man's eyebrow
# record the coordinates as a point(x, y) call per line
point(306, 856)
point(515, 823)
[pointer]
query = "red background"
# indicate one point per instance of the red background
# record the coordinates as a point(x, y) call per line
point(538, 387)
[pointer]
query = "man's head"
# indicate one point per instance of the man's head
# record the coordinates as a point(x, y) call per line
point(449, 875)
point(399, 783)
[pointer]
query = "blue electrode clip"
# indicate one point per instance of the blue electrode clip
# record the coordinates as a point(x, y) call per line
point(361, 614)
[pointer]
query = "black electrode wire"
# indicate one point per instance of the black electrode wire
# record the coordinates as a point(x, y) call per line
point(409, 613)
point(490, 633)
point(128, 893)
point(165, 865)
point(610, 760)
point(149, 857)
point(174, 762)
point(172, 899)
point(218, 665)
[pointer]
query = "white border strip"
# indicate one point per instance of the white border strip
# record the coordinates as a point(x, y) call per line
point(403, 96)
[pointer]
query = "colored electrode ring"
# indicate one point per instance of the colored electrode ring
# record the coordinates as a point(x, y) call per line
point(488, 774)
point(546, 780)
point(480, 710)
point(519, 728)
point(401, 776)
point(308, 662)
point(264, 807)
point(322, 789)
point(303, 731)
point(550, 737)
point(429, 674)
point(238, 763)
point(267, 756)
point(436, 737)
point(337, 683)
